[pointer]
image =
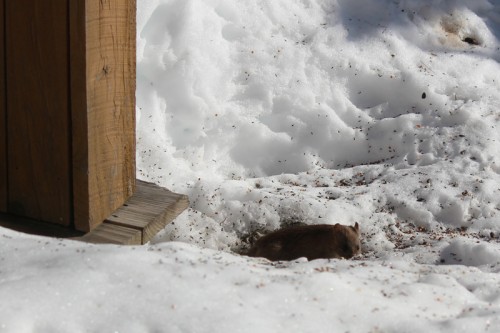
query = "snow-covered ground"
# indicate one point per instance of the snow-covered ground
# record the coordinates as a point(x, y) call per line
point(269, 113)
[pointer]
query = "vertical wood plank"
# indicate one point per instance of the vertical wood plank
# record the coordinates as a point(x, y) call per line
point(78, 92)
point(38, 109)
point(108, 161)
point(3, 114)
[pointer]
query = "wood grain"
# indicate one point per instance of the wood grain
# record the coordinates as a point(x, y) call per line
point(3, 114)
point(113, 234)
point(38, 126)
point(103, 107)
point(78, 92)
point(150, 209)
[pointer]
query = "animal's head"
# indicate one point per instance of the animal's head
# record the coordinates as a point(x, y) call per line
point(348, 240)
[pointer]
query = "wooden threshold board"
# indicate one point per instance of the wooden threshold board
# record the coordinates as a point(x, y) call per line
point(142, 216)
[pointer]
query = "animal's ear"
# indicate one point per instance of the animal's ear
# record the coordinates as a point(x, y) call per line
point(356, 226)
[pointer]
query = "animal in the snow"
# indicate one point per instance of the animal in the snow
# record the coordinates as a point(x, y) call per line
point(322, 241)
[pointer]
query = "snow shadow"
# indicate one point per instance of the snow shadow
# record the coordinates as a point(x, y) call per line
point(468, 253)
point(439, 27)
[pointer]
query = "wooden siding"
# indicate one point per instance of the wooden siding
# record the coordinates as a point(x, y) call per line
point(38, 125)
point(67, 109)
point(3, 143)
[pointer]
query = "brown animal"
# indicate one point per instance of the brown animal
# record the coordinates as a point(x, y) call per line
point(310, 241)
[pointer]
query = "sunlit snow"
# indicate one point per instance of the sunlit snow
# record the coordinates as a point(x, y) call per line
point(271, 113)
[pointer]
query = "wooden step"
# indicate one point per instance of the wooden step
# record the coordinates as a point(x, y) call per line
point(142, 216)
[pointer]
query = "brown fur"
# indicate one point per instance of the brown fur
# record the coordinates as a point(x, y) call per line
point(310, 241)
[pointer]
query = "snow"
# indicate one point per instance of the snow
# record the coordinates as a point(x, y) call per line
point(271, 113)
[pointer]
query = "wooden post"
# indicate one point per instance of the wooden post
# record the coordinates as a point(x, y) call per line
point(67, 110)
point(67, 123)
point(102, 44)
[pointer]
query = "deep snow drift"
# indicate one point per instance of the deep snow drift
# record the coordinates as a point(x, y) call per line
point(270, 113)
point(323, 111)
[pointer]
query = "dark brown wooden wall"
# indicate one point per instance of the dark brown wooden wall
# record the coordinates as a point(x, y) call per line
point(67, 109)
point(3, 147)
point(38, 115)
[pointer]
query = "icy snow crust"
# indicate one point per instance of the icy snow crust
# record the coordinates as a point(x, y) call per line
point(270, 113)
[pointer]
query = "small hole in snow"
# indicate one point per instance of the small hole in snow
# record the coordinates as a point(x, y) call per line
point(471, 41)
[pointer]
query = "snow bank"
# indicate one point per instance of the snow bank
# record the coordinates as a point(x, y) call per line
point(63, 286)
point(322, 111)
point(271, 113)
